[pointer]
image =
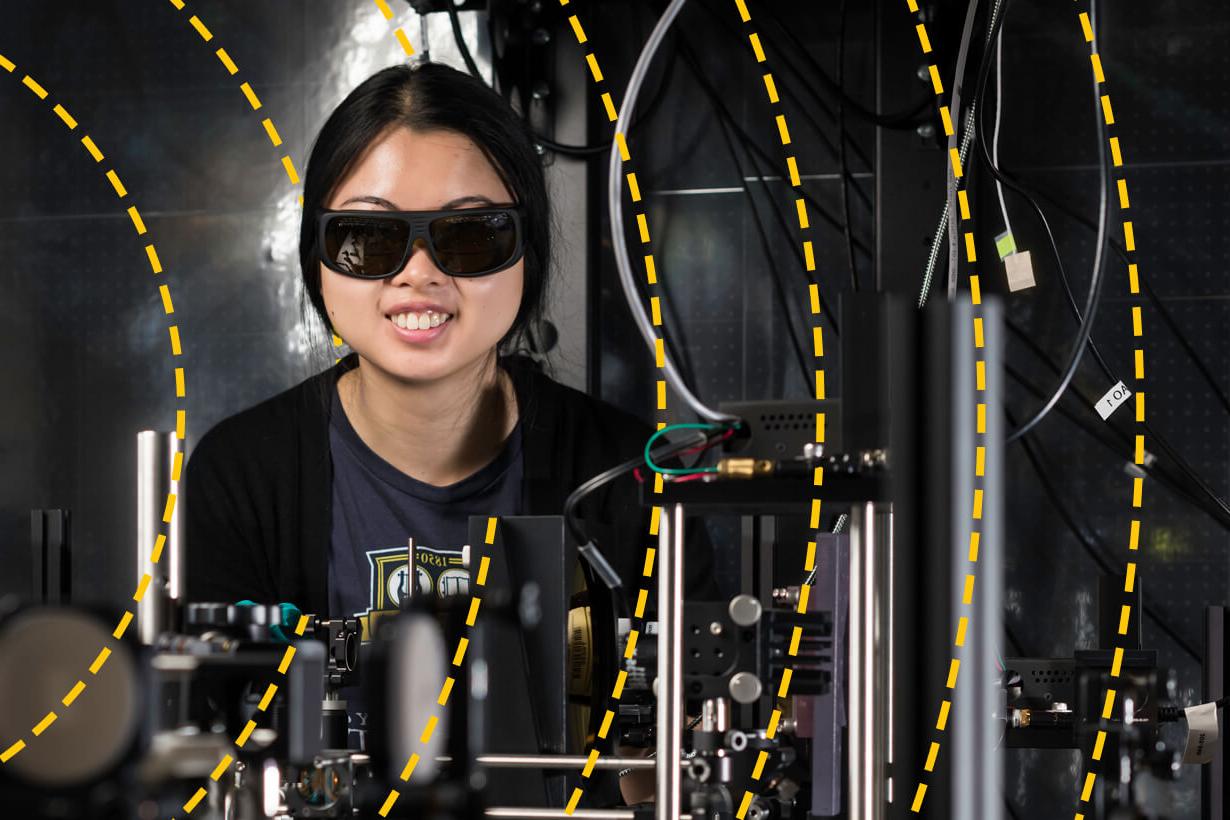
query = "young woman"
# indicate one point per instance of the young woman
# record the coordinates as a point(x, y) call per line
point(425, 244)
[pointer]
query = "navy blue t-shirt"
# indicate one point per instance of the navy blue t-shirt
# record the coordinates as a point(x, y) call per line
point(377, 509)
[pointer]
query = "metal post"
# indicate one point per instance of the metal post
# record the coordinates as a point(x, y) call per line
point(870, 651)
point(977, 770)
point(511, 761)
point(156, 453)
point(669, 803)
point(51, 541)
point(562, 814)
point(536, 814)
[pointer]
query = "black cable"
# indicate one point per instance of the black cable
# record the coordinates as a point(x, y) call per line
point(787, 90)
point(783, 304)
point(726, 116)
point(843, 167)
point(903, 120)
point(750, 143)
point(1097, 279)
point(1118, 448)
point(589, 486)
point(1014, 641)
point(581, 151)
point(676, 341)
point(455, 20)
point(1154, 299)
point(1222, 513)
point(1161, 441)
point(1012, 185)
point(1091, 544)
point(1171, 714)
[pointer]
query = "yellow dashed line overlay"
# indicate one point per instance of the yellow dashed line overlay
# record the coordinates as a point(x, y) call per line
point(112, 179)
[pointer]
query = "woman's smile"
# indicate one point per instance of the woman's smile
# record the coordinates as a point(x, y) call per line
point(420, 328)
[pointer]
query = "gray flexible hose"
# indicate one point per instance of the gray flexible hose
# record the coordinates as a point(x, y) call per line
point(615, 202)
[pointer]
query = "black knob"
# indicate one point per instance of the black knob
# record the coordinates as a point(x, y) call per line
point(200, 617)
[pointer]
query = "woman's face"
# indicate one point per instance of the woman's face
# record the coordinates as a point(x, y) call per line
point(405, 170)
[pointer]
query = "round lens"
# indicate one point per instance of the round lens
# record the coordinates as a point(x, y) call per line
point(474, 243)
point(366, 245)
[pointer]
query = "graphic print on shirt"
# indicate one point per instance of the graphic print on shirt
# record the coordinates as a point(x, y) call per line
point(437, 571)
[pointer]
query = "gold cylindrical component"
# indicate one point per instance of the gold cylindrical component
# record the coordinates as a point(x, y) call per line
point(745, 467)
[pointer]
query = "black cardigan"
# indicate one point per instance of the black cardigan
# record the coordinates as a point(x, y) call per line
point(258, 489)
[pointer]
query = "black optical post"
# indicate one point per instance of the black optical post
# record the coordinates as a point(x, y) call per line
point(51, 544)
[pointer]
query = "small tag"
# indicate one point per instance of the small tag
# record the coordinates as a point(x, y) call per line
point(1201, 733)
point(1005, 243)
point(1114, 397)
point(1020, 271)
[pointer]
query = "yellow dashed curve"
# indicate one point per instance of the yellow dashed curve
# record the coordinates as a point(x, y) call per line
point(112, 178)
point(1137, 492)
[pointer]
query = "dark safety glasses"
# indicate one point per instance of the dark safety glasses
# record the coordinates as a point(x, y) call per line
point(462, 242)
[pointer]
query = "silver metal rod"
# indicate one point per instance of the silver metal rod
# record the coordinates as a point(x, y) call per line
point(669, 804)
point(715, 715)
point(563, 762)
point(530, 814)
point(534, 814)
point(869, 646)
point(858, 787)
point(973, 737)
point(156, 453)
point(886, 594)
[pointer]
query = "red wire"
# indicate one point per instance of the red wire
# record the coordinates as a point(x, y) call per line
point(705, 445)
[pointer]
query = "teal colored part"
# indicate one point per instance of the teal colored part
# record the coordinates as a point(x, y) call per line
point(290, 614)
point(674, 470)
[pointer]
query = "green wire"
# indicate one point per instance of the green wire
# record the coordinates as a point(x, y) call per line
point(675, 470)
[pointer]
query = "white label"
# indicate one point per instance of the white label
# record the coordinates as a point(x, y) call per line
point(1114, 397)
point(1020, 270)
point(1201, 733)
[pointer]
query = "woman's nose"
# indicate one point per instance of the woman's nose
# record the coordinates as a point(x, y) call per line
point(419, 268)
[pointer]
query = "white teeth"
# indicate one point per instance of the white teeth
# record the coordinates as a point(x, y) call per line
point(420, 321)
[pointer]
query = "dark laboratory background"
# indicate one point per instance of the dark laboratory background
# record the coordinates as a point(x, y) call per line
point(89, 360)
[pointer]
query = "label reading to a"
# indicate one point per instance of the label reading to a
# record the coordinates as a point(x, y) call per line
point(1114, 397)
point(1201, 733)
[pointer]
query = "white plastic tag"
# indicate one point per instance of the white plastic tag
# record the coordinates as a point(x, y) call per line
point(1114, 397)
point(1020, 270)
point(1201, 733)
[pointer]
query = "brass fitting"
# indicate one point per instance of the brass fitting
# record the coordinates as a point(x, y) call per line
point(744, 467)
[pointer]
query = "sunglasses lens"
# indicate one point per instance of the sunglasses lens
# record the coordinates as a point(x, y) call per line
point(474, 243)
point(366, 245)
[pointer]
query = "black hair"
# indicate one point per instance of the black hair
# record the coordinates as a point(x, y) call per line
point(433, 97)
